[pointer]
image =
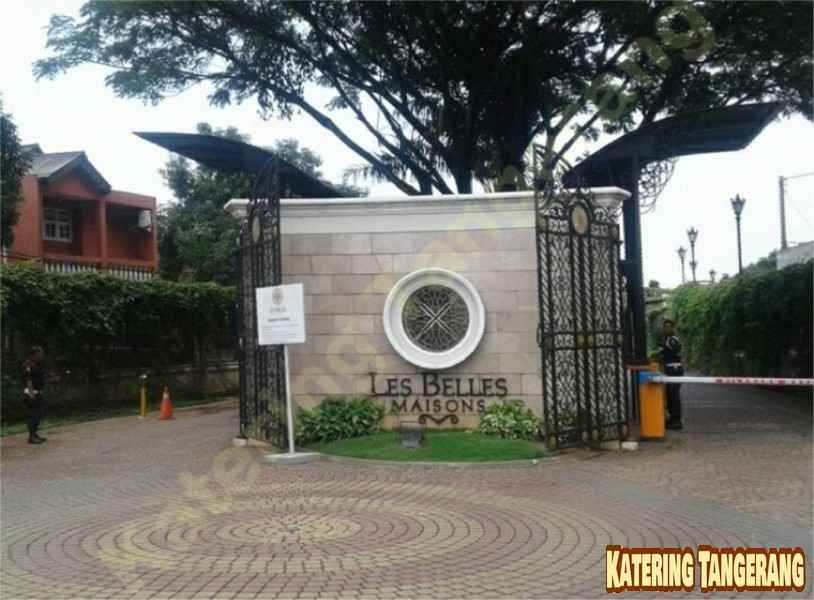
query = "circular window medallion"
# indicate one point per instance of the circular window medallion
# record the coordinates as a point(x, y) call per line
point(579, 219)
point(434, 318)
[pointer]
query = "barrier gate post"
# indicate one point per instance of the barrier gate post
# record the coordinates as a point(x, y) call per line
point(652, 399)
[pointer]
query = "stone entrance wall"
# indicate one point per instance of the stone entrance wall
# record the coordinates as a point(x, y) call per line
point(349, 253)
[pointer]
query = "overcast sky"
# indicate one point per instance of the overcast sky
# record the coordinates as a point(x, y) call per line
point(78, 112)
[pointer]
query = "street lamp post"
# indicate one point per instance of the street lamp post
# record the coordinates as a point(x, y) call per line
point(682, 252)
point(692, 234)
point(737, 206)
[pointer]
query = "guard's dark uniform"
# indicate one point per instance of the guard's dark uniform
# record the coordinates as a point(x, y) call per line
point(35, 373)
point(671, 356)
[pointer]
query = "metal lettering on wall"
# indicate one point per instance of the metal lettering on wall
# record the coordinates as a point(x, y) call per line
point(437, 398)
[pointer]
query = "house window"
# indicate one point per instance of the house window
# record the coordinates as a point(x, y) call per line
point(57, 225)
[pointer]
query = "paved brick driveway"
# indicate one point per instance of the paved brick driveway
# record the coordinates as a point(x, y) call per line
point(148, 509)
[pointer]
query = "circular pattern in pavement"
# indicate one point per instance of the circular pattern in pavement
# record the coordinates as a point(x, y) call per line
point(335, 531)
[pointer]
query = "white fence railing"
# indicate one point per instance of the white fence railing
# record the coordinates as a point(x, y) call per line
point(131, 273)
point(58, 266)
point(118, 271)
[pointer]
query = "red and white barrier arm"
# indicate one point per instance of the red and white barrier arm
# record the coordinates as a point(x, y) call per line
point(779, 381)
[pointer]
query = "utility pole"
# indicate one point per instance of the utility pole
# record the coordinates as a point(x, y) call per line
point(783, 242)
point(782, 180)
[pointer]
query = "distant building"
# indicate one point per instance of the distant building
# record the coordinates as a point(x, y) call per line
point(795, 254)
point(72, 221)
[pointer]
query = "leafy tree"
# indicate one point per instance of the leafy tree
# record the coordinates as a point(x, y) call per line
point(765, 264)
point(289, 149)
point(197, 238)
point(14, 163)
point(451, 89)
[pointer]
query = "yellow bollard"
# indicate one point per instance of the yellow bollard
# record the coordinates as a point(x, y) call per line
point(143, 399)
point(652, 399)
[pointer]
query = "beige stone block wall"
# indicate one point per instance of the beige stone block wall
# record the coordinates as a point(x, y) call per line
point(347, 278)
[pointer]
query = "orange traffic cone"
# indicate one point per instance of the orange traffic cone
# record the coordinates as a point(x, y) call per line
point(166, 405)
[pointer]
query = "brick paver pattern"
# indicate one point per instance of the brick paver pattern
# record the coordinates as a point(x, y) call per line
point(147, 509)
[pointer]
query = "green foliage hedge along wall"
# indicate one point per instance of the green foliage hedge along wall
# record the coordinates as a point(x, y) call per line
point(93, 324)
point(754, 324)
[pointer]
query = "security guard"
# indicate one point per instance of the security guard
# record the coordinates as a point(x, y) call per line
point(33, 368)
point(671, 357)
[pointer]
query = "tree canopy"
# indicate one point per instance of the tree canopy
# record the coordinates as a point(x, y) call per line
point(14, 162)
point(451, 91)
point(197, 238)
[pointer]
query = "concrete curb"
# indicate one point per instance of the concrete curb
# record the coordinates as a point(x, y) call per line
point(492, 464)
point(298, 458)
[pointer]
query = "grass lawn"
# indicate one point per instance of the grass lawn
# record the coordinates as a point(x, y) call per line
point(444, 446)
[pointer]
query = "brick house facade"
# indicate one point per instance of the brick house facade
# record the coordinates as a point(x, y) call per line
point(72, 220)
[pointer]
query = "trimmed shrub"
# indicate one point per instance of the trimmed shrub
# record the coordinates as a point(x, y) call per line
point(337, 418)
point(509, 420)
point(756, 323)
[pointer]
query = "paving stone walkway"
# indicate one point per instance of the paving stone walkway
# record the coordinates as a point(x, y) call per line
point(149, 509)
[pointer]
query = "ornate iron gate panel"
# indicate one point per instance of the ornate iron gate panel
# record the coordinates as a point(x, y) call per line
point(581, 337)
point(262, 375)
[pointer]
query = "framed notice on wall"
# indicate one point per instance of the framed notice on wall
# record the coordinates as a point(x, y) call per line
point(280, 315)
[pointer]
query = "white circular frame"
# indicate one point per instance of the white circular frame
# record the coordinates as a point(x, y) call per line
point(401, 342)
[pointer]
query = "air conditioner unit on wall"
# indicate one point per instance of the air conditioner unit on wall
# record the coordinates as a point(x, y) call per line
point(145, 220)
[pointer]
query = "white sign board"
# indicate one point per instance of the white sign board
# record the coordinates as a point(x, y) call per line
point(280, 315)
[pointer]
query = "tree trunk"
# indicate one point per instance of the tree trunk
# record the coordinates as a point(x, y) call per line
point(425, 185)
point(511, 175)
point(463, 180)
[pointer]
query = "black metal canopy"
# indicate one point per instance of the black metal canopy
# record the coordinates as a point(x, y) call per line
point(716, 130)
point(233, 156)
point(620, 164)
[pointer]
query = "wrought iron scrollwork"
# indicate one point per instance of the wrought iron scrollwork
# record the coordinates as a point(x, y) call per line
point(424, 417)
point(653, 178)
point(262, 381)
point(580, 299)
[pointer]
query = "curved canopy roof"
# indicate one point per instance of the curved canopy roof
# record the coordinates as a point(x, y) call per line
point(234, 156)
point(715, 130)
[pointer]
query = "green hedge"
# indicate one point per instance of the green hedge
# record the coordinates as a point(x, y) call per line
point(755, 324)
point(92, 325)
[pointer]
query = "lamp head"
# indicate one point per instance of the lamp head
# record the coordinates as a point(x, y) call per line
point(682, 252)
point(737, 204)
point(692, 234)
